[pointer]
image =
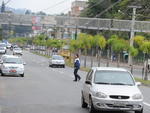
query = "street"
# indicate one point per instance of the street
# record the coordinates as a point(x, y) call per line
point(46, 90)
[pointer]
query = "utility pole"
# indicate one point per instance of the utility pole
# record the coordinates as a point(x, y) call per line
point(132, 33)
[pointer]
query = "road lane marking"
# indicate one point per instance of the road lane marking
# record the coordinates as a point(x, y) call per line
point(0, 109)
point(147, 104)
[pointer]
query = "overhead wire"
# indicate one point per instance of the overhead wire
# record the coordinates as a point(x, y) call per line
point(58, 3)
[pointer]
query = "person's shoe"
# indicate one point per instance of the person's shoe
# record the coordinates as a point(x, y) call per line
point(75, 80)
point(79, 79)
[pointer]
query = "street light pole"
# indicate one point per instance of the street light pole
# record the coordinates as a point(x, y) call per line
point(132, 33)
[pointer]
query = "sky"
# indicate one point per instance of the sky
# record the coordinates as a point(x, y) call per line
point(48, 6)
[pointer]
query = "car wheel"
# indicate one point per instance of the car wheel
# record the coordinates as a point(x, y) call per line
point(91, 107)
point(63, 66)
point(52, 66)
point(141, 111)
point(22, 75)
point(83, 103)
point(2, 74)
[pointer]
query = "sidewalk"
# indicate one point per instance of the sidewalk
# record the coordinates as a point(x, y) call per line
point(137, 69)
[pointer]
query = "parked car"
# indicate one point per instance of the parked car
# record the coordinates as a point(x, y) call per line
point(3, 45)
point(17, 51)
point(12, 65)
point(57, 60)
point(2, 50)
point(1, 60)
point(111, 89)
point(8, 45)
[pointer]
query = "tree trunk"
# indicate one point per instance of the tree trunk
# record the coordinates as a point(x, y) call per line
point(92, 57)
point(146, 71)
point(118, 60)
point(99, 57)
point(107, 65)
point(85, 58)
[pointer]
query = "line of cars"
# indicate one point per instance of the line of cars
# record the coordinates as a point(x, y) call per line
point(11, 64)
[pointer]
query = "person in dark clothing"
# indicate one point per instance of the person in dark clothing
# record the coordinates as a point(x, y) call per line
point(76, 68)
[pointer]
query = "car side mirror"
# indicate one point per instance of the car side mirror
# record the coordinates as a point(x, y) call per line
point(138, 83)
point(88, 82)
point(24, 63)
point(1, 62)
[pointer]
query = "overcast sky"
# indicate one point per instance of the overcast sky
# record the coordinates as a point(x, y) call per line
point(48, 6)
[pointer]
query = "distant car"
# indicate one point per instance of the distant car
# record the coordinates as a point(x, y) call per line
point(8, 45)
point(111, 89)
point(1, 60)
point(12, 65)
point(57, 60)
point(17, 51)
point(3, 45)
point(2, 50)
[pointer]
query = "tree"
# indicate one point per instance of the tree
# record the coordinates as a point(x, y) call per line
point(1, 33)
point(118, 45)
point(84, 44)
point(145, 47)
point(100, 42)
point(133, 52)
point(3, 7)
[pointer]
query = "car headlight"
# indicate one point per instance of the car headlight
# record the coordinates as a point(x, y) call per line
point(100, 95)
point(4, 67)
point(137, 96)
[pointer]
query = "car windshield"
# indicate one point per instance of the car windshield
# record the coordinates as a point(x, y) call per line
point(57, 57)
point(2, 48)
point(113, 78)
point(17, 49)
point(13, 60)
point(2, 45)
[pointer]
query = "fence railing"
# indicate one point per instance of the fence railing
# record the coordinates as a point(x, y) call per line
point(74, 22)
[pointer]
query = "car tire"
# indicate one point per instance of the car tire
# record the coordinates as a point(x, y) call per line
point(83, 103)
point(22, 75)
point(63, 66)
point(91, 107)
point(141, 111)
point(2, 74)
point(52, 66)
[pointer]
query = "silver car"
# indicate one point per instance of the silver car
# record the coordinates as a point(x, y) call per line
point(111, 89)
point(57, 60)
point(12, 65)
point(17, 51)
point(2, 50)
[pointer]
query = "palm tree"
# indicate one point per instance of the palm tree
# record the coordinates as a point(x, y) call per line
point(118, 45)
point(145, 47)
point(84, 44)
point(101, 44)
point(133, 52)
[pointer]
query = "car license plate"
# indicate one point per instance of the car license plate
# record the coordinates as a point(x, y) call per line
point(13, 71)
point(117, 103)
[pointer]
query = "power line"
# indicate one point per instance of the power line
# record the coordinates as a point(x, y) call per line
point(52, 6)
point(7, 2)
point(105, 10)
point(108, 8)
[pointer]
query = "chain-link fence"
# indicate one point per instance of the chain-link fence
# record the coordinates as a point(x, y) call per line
point(75, 22)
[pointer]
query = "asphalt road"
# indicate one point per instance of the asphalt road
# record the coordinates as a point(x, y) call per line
point(46, 90)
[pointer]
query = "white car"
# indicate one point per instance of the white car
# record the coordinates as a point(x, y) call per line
point(8, 45)
point(2, 50)
point(3, 45)
point(17, 51)
point(57, 60)
point(111, 89)
point(12, 65)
